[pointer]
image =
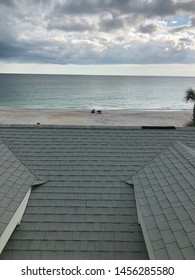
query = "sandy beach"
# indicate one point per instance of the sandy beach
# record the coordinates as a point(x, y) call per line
point(125, 117)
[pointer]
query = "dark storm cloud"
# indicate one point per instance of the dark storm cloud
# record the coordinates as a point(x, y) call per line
point(78, 7)
point(193, 21)
point(9, 50)
point(109, 22)
point(188, 6)
point(41, 51)
point(147, 8)
point(14, 50)
point(179, 29)
point(7, 2)
point(73, 25)
point(148, 28)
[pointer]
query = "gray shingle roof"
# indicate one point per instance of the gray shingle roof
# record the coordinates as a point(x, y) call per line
point(15, 182)
point(165, 196)
point(85, 210)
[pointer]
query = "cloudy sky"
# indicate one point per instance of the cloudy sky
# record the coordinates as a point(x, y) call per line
point(98, 36)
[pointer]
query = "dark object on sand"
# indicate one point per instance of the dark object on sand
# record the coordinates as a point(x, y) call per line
point(93, 111)
point(99, 111)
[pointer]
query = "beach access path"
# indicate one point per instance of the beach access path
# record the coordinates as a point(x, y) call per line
point(119, 117)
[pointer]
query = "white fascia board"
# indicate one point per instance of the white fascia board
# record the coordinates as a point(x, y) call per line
point(145, 232)
point(15, 220)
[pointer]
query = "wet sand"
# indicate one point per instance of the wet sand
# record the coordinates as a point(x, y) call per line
point(124, 117)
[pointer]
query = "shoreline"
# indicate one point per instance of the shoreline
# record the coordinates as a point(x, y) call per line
point(116, 117)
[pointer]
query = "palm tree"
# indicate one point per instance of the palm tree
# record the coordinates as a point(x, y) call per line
point(190, 96)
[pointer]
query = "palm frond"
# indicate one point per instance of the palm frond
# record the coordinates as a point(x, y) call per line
point(190, 95)
point(190, 123)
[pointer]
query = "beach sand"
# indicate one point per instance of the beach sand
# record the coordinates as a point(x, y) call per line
point(84, 117)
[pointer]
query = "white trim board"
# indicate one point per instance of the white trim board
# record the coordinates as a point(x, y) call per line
point(15, 220)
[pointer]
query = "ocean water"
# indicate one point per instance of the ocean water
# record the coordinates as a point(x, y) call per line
point(99, 92)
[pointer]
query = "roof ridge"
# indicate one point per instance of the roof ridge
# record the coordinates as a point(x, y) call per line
point(186, 152)
point(175, 144)
point(188, 149)
point(129, 179)
point(38, 180)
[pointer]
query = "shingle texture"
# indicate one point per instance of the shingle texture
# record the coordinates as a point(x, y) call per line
point(165, 192)
point(86, 210)
point(15, 181)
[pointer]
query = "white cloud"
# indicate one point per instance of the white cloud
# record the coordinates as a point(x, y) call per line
point(96, 31)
